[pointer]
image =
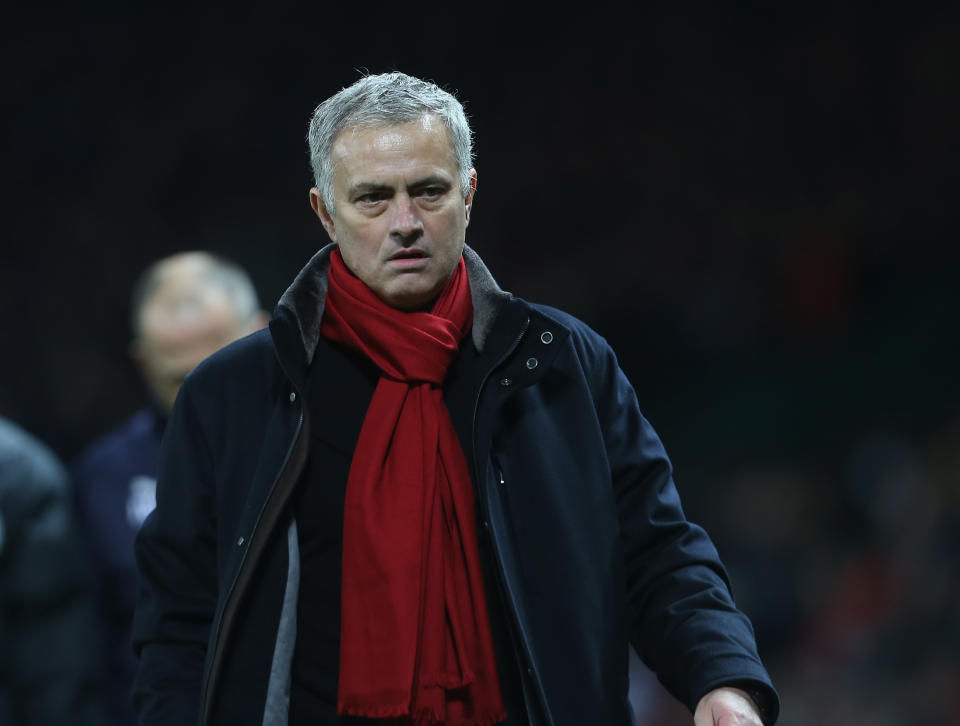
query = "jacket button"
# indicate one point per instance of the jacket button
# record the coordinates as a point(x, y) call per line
point(546, 337)
point(506, 382)
point(240, 542)
point(293, 396)
point(532, 363)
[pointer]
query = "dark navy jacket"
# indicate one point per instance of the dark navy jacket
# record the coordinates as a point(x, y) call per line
point(574, 494)
point(114, 483)
point(47, 624)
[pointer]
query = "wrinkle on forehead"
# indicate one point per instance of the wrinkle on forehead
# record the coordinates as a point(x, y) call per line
point(370, 147)
point(390, 141)
point(389, 137)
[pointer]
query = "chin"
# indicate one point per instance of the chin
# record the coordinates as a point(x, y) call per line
point(410, 300)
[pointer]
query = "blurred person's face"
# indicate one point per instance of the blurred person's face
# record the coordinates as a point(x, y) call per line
point(184, 321)
point(399, 218)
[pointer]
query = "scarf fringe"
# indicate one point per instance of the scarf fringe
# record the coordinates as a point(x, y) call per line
point(423, 717)
point(368, 711)
point(431, 718)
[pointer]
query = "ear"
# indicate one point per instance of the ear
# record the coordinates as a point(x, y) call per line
point(326, 219)
point(468, 200)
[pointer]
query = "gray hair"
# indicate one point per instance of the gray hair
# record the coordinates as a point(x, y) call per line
point(228, 276)
point(385, 100)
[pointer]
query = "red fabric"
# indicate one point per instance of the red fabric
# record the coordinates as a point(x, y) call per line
point(415, 642)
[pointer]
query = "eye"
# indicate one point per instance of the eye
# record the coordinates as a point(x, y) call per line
point(369, 198)
point(432, 192)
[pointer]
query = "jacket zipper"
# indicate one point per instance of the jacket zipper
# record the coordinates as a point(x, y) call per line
point(210, 681)
point(526, 666)
point(531, 714)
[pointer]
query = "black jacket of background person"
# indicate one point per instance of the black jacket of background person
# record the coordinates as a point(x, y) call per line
point(47, 622)
point(576, 507)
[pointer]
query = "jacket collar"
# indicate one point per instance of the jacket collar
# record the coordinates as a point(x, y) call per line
point(305, 298)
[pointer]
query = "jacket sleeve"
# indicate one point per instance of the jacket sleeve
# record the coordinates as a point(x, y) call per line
point(177, 590)
point(681, 614)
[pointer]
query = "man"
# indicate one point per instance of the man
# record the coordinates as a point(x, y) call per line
point(183, 308)
point(46, 621)
point(417, 498)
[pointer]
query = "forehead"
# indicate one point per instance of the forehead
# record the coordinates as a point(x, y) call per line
point(183, 302)
point(396, 147)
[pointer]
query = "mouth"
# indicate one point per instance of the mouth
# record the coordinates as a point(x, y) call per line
point(408, 258)
point(408, 254)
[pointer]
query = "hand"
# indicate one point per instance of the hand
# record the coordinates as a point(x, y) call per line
point(727, 707)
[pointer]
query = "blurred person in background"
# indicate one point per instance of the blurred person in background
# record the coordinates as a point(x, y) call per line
point(418, 499)
point(47, 622)
point(183, 308)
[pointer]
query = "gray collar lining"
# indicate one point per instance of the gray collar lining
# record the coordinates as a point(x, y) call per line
point(307, 294)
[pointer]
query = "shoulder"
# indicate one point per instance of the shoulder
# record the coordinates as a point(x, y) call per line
point(591, 347)
point(238, 365)
point(576, 326)
point(235, 388)
point(124, 440)
point(593, 358)
point(244, 354)
point(29, 467)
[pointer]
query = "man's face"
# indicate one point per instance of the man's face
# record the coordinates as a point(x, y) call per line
point(399, 217)
point(183, 323)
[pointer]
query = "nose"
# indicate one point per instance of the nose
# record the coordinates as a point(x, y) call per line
point(406, 226)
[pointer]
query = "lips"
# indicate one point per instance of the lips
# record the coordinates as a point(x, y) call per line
point(407, 254)
point(409, 259)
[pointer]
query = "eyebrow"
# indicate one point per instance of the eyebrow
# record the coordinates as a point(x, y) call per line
point(430, 181)
point(361, 188)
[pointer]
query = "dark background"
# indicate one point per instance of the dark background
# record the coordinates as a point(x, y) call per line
point(752, 203)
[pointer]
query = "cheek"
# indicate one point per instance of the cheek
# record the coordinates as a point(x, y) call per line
point(359, 254)
point(349, 258)
point(450, 230)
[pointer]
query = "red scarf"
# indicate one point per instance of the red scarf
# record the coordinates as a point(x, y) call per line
point(415, 637)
